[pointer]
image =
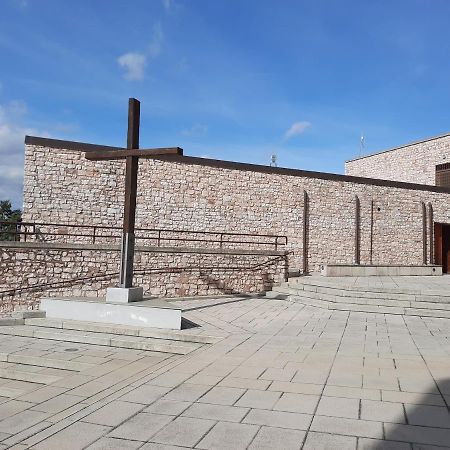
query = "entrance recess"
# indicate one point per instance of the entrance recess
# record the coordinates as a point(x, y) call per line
point(442, 245)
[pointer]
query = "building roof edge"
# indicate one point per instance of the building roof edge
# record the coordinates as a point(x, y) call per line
point(399, 147)
point(80, 146)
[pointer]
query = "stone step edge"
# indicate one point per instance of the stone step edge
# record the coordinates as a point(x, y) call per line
point(316, 283)
point(374, 302)
point(121, 330)
point(324, 304)
point(338, 298)
point(348, 293)
point(96, 339)
point(42, 361)
point(29, 377)
point(19, 317)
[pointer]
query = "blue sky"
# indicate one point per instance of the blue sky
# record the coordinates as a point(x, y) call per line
point(234, 79)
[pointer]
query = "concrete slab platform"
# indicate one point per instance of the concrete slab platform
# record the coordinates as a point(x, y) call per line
point(147, 313)
point(378, 380)
point(359, 270)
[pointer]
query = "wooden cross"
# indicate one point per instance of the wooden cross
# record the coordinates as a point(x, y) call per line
point(131, 154)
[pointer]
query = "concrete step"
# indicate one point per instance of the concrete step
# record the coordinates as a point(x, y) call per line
point(362, 293)
point(124, 330)
point(361, 296)
point(20, 372)
point(338, 306)
point(105, 339)
point(319, 284)
point(351, 299)
point(43, 361)
point(432, 310)
point(373, 302)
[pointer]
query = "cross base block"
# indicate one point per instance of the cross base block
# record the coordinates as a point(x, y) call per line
point(124, 295)
point(153, 313)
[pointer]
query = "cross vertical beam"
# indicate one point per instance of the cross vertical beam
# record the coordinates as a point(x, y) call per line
point(129, 216)
point(126, 292)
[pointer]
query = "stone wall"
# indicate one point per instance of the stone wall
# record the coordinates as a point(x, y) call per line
point(205, 195)
point(208, 198)
point(80, 270)
point(414, 163)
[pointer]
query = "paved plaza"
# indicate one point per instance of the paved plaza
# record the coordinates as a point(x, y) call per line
point(282, 376)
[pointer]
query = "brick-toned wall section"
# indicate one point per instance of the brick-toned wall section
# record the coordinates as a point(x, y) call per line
point(413, 163)
point(62, 186)
point(24, 266)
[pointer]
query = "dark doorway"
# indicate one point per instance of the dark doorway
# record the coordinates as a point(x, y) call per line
point(442, 245)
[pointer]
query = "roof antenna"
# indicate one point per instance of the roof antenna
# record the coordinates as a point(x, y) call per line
point(273, 161)
point(362, 145)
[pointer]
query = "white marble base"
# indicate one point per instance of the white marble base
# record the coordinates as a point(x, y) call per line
point(354, 270)
point(146, 313)
point(124, 295)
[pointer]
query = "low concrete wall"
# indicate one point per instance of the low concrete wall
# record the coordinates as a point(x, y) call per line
point(32, 270)
point(342, 270)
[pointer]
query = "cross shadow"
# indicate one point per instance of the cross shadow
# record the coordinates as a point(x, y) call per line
point(221, 285)
point(424, 424)
point(186, 324)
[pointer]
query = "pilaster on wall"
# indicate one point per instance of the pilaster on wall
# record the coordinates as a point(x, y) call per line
point(305, 233)
point(424, 232)
point(431, 233)
point(357, 230)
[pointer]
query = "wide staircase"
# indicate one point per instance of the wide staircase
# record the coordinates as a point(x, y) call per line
point(408, 295)
point(179, 342)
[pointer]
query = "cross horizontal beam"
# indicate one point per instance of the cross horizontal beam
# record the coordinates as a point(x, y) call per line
point(139, 153)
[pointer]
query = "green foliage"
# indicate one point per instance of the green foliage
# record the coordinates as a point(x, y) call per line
point(9, 215)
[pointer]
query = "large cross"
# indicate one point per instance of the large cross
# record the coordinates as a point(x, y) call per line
point(131, 154)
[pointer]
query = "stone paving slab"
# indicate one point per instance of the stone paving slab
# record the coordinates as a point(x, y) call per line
point(283, 375)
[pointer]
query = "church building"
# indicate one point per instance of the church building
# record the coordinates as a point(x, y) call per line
point(389, 209)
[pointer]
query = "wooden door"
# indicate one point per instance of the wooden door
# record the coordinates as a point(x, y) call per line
point(442, 246)
point(446, 248)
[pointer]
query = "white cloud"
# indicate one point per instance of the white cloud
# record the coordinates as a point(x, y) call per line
point(12, 151)
point(167, 4)
point(13, 129)
point(195, 130)
point(296, 129)
point(11, 173)
point(154, 48)
point(22, 4)
point(134, 65)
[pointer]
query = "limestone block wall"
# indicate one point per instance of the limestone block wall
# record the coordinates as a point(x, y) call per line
point(205, 195)
point(88, 271)
point(414, 163)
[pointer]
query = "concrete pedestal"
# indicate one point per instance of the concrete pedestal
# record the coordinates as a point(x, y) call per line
point(354, 270)
point(124, 295)
point(145, 313)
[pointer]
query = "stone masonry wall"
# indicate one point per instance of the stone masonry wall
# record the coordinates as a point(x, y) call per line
point(164, 274)
point(415, 163)
point(62, 186)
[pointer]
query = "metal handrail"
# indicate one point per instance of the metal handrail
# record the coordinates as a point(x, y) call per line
point(33, 229)
point(99, 276)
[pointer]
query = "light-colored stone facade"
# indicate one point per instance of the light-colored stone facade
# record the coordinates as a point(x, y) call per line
point(194, 194)
point(413, 163)
point(80, 270)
